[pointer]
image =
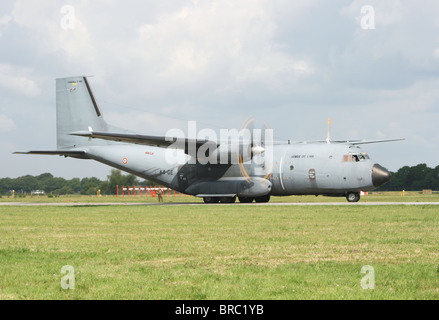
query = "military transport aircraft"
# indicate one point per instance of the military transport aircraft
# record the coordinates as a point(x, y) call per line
point(250, 165)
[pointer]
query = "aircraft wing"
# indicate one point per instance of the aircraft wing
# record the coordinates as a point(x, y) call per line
point(357, 142)
point(156, 141)
point(161, 141)
point(353, 142)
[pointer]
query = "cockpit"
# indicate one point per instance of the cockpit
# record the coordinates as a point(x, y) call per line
point(355, 157)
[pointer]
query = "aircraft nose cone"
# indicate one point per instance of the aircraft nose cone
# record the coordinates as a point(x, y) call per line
point(380, 175)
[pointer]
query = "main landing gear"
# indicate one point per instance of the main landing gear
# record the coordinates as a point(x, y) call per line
point(219, 199)
point(263, 199)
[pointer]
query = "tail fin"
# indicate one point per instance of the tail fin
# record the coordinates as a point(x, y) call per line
point(76, 110)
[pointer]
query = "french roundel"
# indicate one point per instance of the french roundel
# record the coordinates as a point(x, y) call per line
point(124, 160)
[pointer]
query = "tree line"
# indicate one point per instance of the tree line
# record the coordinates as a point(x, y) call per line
point(415, 178)
point(60, 186)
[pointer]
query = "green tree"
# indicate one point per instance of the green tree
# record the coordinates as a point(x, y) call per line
point(57, 183)
point(26, 183)
point(64, 190)
point(116, 178)
point(5, 185)
point(413, 178)
point(90, 185)
point(75, 184)
point(46, 182)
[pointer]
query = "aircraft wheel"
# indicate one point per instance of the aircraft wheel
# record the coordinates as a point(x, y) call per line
point(227, 199)
point(210, 200)
point(353, 196)
point(263, 199)
point(246, 199)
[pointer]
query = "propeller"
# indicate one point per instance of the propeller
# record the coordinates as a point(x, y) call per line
point(260, 141)
point(256, 137)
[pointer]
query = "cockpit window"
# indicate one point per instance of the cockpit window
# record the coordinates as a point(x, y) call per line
point(365, 156)
point(355, 157)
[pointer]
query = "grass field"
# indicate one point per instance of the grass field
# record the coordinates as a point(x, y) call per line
point(219, 252)
point(410, 196)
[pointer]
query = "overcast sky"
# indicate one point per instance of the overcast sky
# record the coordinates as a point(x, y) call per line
point(371, 66)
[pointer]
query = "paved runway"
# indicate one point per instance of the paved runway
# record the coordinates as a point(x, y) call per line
point(82, 204)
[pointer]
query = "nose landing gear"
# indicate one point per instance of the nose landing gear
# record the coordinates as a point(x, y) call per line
point(353, 196)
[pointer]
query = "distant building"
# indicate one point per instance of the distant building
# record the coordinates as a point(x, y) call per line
point(38, 192)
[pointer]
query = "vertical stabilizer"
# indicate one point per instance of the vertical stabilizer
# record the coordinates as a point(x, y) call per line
point(76, 110)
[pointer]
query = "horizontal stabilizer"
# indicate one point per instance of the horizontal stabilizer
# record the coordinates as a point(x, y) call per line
point(67, 153)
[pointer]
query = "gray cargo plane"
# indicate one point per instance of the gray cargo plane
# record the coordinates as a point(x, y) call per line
point(262, 167)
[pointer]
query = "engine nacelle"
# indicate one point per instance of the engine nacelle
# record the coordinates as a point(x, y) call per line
point(256, 187)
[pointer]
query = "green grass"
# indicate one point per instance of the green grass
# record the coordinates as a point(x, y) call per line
point(410, 196)
point(219, 252)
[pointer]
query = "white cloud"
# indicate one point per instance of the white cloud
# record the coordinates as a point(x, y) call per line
point(219, 43)
point(187, 47)
point(18, 79)
point(44, 21)
point(6, 124)
point(418, 99)
point(4, 21)
point(144, 122)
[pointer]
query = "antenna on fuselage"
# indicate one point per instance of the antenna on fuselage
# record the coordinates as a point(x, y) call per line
point(328, 136)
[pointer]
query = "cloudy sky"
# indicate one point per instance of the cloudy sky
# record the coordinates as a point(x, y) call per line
point(371, 66)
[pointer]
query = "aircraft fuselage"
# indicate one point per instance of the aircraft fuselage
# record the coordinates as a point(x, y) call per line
point(255, 167)
point(294, 169)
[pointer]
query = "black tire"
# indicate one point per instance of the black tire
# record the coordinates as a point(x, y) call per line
point(352, 196)
point(210, 200)
point(246, 199)
point(263, 199)
point(227, 199)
